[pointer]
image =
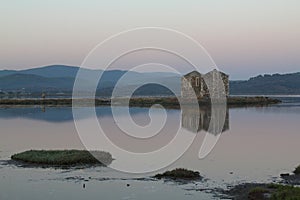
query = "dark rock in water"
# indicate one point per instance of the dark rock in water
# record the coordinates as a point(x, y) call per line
point(230, 172)
point(284, 174)
point(128, 184)
point(83, 185)
point(293, 179)
point(297, 170)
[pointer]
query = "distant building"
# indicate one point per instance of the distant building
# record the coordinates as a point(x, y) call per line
point(197, 83)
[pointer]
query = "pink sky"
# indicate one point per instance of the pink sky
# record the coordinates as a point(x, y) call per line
point(245, 38)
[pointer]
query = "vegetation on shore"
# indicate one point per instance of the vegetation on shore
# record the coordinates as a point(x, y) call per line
point(53, 102)
point(264, 191)
point(244, 101)
point(256, 191)
point(63, 158)
point(179, 174)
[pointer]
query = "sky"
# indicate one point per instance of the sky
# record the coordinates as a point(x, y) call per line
point(244, 38)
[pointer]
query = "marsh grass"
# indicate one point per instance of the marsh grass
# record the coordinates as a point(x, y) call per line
point(63, 157)
point(258, 193)
point(179, 173)
point(286, 192)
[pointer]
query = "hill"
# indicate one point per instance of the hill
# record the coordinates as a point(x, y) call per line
point(51, 71)
point(60, 79)
point(267, 85)
point(30, 82)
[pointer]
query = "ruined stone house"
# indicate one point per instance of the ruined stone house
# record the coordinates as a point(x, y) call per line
point(205, 85)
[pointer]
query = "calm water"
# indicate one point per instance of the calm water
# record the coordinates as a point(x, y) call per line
point(257, 144)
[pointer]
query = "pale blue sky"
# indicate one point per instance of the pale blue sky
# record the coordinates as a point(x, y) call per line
point(245, 38)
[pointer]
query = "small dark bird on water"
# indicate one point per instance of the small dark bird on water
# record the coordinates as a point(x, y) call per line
point(128, 184)
point(83, 186)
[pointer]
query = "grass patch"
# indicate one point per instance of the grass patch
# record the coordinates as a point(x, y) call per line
point(258, 193)
point(179, 173)
point(258, 190)
point(285, 192)
point(63, 157)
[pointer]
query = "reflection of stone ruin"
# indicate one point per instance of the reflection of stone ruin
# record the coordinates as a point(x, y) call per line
point(195, 121)
point(195, 83)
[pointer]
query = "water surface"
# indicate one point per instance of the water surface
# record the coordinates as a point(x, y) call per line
point(256, 145)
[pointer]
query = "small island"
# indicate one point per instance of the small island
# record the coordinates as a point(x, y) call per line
point(62, 158)
point(179, 174)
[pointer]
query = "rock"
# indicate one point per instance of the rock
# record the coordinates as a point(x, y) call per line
point(285, 175)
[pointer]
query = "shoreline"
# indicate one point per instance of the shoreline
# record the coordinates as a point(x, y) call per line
point(168, 102)
point(287, 188)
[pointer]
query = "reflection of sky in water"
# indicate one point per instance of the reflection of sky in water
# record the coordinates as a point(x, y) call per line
point(62, 114)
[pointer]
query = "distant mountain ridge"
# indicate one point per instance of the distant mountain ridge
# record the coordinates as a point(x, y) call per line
point(60, 79)
point(34, 82)
point(50, 71)
point(268, 84)
point(55, 71)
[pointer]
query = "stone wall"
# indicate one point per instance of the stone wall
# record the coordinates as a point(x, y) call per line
point(207, 85)
point(189, 87)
